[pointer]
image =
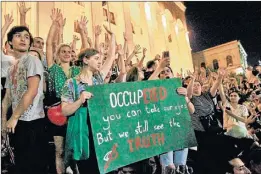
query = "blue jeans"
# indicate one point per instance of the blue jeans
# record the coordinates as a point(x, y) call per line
point(178, 157)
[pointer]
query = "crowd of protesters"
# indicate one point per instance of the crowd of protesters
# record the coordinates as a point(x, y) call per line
point(224, 107)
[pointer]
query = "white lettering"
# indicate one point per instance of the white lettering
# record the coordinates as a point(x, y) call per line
point(113, 105)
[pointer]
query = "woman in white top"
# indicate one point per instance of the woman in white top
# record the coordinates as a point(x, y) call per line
point(235, 117)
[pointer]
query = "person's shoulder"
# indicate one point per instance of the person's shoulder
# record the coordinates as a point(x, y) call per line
point(76, 68)
point(5, 57)
point(54, 67)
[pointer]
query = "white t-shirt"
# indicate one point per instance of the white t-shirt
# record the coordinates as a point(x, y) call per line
point(6, 62)
point(230, 121)
point(16, 81)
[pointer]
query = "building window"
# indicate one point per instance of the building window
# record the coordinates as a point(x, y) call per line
point(229, 61)
point(215, 64)
point(105, 14)
point(112, 19)
point(203, 64)
point(104, 3)
point(132, 27)
point(109, 16)
point(170, 38)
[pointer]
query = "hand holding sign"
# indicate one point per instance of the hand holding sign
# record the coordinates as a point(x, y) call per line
point(85, 96)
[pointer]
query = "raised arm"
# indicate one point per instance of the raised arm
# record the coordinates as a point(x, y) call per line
point(8, 21)
point(140, 63)
point(122, 67)
point(125, 46)
point(23, 10)
point(222, 94)
point(56, 15)
point(191, 83)
point(111, 54)
point(75, 39)
point(213, 89)
point(162, 64)
point(89, 40)
point(183, 91)
point(82, 27)
point(61, 23)
point(134, 53)
point(97, 36)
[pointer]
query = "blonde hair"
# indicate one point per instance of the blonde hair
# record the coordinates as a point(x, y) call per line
point(58, 49)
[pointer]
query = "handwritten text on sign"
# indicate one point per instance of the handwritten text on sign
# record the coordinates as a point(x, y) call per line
point(135, 121)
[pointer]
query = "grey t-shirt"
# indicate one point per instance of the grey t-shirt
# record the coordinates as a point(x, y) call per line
point(204, 106)
point(16, 81)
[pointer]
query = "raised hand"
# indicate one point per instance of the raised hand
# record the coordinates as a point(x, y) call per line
point(164, 62)
point(8, 19)
point(144, 52)
point(98, 30)
point(56, 15)
point(102, 48)
point(137, 49)
point(108, 31)
point(221, 73)
point(22, 8)
point(82, 24)
point(62, 21)
point(89, 40)
point(75, 38)
point(119, 50)
point(251, 119)
point(189, 73)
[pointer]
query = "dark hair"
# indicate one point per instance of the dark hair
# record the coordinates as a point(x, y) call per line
point(255, 72)
point(150, 64)
point(132, 75)
point(39, 55)
point(87, 53)
point(169, 69)
point(15, 30)
point(254, 156)
point(201, 84)
point(233, 91)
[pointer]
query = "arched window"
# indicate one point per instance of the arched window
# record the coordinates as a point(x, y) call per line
point(203, 64)
point(215, 64)
point(229, 61)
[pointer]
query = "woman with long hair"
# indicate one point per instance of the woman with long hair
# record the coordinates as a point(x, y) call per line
point(79, 147)
point(59, 70)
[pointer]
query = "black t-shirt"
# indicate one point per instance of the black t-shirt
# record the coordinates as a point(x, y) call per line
point(147, 75)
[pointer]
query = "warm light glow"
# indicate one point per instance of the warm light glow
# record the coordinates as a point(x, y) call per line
point(147, 10)
point(177, 29)
point(187, 36)
point(164, 21)
point(239, 71)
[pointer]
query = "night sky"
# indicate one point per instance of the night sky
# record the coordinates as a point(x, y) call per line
point(215, 23)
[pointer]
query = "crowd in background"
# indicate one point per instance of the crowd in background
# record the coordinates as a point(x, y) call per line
point(224, 107)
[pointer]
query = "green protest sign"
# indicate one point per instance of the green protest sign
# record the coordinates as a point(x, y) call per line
point(134, 121)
